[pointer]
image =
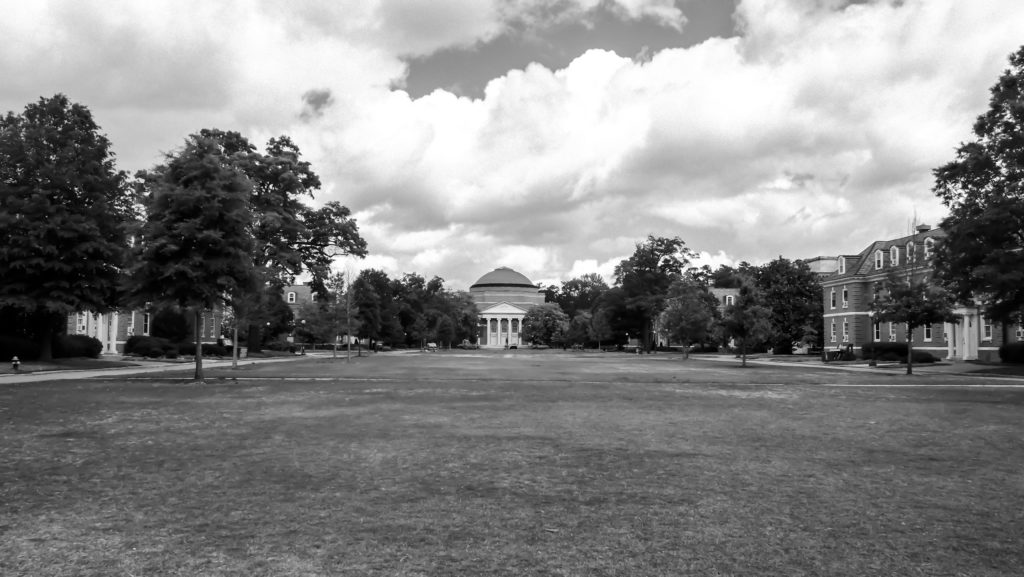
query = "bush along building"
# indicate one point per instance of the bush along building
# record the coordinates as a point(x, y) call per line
point(848, 293)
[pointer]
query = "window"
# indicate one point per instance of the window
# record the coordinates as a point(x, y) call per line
point(894, 255)
point(1020, 332)
point(202, 325)
point(832, 332)
point(145, 324)
point(291, 298)
point(80, 323)
point(877, 330)
point(213, 325)
point(846, 331)
point(730, 300)
point(892, 332)
point(832, 299)
point(312, 297)
point(927, 333)
point(878, 259)
point(929, 244)
point(842, 265)
point(910, 252)
point(986, 330)
point(846, 298)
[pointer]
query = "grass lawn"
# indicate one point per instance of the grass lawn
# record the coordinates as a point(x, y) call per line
point(512, 464)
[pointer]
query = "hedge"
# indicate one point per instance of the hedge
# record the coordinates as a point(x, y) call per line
point(65, 346)
point(1012, 353)
point(209, 349)
point(152, 347)
point(892, 352)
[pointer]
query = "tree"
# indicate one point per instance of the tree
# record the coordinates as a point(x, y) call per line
point(646, 276)
point(289, 237)
point(580, 293)
point(914, 302)
point(195, 248)
point(65, 215)
point(982, 257)
point(545, 324)
point(692, 312)
point(747, 321)
point(793, 295)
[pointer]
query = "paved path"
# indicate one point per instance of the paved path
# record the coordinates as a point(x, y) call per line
point(149, 367)
point(943, 368)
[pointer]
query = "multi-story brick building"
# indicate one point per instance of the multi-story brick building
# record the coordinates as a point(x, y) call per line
point(113, 329)
point(848, 293)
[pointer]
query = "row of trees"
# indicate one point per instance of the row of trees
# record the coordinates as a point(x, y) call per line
point(218, 223)
point(411, 311)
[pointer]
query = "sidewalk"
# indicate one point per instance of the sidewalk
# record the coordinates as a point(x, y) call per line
point(939, 368)
point(149, 367)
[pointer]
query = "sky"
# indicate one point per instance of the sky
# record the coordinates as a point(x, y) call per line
point(549, 136)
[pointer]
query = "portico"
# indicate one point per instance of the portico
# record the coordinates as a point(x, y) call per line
point(503, 297)
point(501, 326)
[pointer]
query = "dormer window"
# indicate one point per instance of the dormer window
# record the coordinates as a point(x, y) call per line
point(291, 298)
point(894, 255)
point(879, 259)
point(929, 244)
point(842, 265)
point(910, 252)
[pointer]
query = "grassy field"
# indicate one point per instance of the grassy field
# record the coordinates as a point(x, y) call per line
point(513, 464)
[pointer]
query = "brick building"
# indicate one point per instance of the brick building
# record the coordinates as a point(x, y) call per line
point(848, 293)
point(113, 329)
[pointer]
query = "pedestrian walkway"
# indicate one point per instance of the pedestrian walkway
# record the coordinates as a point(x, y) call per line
point(149, 367)
point(941, 368)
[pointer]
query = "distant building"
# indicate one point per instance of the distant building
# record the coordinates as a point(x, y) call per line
point(848, 293)
point(503, 297)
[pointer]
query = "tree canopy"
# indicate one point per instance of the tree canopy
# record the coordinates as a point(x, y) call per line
point(65, 215)
point(545, 324)
point(692, 312)
point(194, 249)
point(793, 295)
point(748, 320)
point(982, 257)
point(645, 277)
point(912, 301)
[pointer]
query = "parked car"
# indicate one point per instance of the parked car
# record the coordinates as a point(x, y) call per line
point(431, 346)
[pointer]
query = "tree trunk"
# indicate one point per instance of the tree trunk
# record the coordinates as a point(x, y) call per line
point(234, 347)
point(199, 348)
point(743, 353)
point(910, 350)
point(46, 345)
point(254, 340)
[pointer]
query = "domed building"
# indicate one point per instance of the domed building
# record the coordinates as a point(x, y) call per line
point(503, 297)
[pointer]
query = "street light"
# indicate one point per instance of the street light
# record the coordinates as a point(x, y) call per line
point(871, 337)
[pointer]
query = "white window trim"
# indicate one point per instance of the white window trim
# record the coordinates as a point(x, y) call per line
point(986, 330)
point(910, 252)
point(879, 259)
point(846, 298)
point(876, 329)
point(927, 333)
point(846, 331)
point(929, 244)
point(832, 299)
point(290, 297)
point(832, 332)
point(892, 332)
point(145, 324)
point(894, 256)
point(842, 265)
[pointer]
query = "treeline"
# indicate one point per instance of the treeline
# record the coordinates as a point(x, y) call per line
point(218, 223)
point(660, 299)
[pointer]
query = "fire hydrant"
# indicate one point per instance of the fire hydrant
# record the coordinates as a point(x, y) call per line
point(15, 363)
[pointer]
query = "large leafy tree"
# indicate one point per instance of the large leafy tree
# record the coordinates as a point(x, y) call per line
point(645, 278)
point(793, 294)
point(580, 293)
point(65, 215)
point(748, 320)
point(914, 302)
point(981, 259)
point(290, 237)
point(545, 324)
point(692, 312)
point(194, 250)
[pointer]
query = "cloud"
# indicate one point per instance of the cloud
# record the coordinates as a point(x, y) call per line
point(812, 132)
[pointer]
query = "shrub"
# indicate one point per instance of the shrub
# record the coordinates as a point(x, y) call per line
point(170, 324)
point(19, 347)
point(209, 349)
point(1012, 353)
point(152, 347)
point(65, 346)
point(895, 352)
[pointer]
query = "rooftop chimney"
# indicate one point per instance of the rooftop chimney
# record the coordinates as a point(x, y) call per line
point(923, 228)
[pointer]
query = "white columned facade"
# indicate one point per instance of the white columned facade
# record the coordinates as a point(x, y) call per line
point(501, 326)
